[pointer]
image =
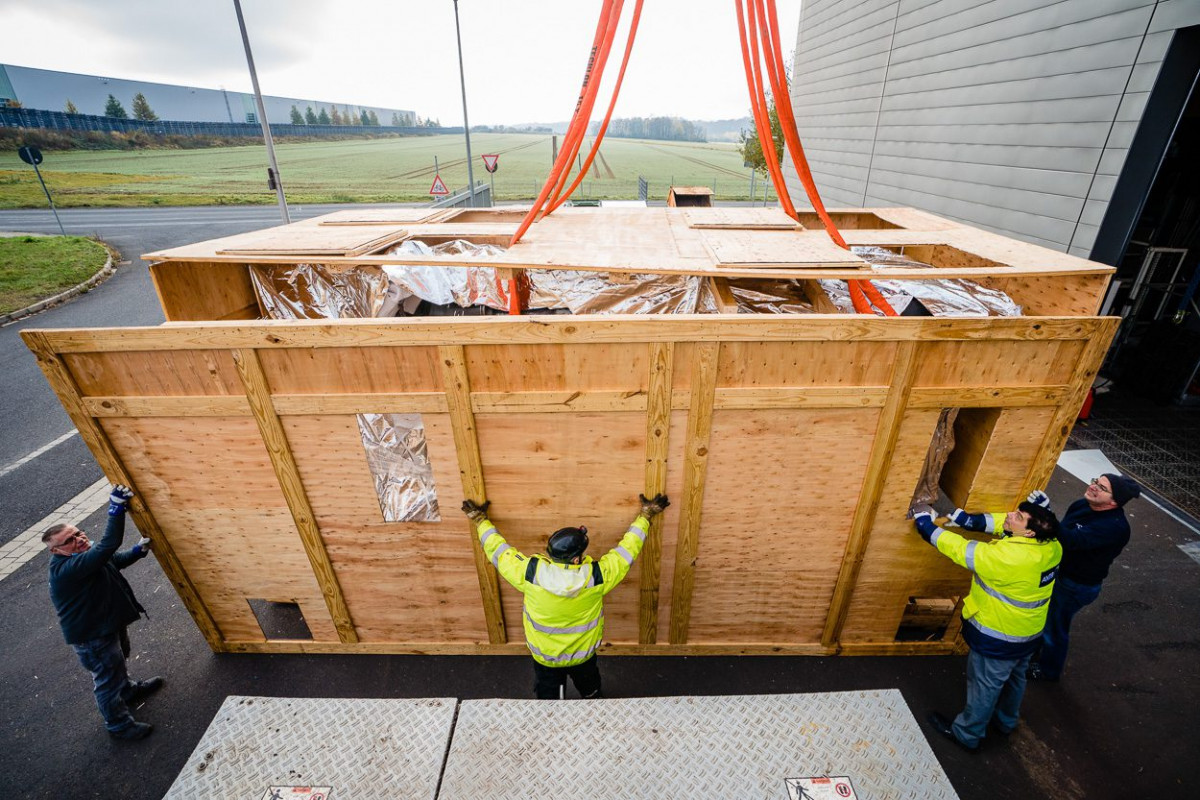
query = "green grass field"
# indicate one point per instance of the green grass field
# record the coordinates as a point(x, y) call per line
point(369, 171)
point(36, 267)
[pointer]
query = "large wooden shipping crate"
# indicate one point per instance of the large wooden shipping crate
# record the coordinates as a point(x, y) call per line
point(790, 444)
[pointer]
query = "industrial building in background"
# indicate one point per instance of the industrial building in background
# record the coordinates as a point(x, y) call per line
point(50, 90)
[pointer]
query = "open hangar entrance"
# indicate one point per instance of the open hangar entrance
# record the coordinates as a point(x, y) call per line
point(1151, 234)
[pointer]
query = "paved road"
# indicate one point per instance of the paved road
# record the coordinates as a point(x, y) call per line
point(1120, 725)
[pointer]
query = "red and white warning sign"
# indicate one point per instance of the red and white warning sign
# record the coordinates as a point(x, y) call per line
point(491, 162)
point(826, 787)
point(297, 793)
point(438, 187)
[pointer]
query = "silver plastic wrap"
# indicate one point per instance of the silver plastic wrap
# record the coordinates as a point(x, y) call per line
point(450, 284)
point(935, 458)
point(314, 291)
point(755, 296)
point(943, 297)
point(396, 455)
point(604, 293)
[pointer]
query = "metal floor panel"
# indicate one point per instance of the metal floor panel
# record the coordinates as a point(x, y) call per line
point(693, 747)
point(358, 748)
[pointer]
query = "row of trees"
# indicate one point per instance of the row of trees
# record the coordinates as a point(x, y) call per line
point(113, 108)
point(334, 116)
point(671, 129)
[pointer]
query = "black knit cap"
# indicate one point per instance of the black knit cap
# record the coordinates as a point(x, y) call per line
point(1123, 489)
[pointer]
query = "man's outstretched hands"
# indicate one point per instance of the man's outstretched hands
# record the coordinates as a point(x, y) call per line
point(654, 506)
point(474, 511)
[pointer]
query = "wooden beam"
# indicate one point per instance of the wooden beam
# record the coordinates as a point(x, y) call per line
point(258, 393)
point(1064, 418)
point(723, 295)
point(986, 396)
point(596, 329)
point(882, 449)
point(470, 469)
point(553, 402)
point(64, 385)
point(695, 468)
point(658, 434)
point(758, 397)
point(519, 649)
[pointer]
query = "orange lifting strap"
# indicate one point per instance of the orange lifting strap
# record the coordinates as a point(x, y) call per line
point(763, 39)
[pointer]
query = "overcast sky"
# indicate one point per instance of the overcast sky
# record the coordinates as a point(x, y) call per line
point(524, 59)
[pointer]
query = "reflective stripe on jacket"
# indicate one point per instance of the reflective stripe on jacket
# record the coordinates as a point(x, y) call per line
point(564, 603)
point(1005, 611)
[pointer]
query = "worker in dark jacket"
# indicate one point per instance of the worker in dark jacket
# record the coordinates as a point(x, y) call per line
point(95, 604)
point(1094, 532)
point(564, 594)
point(1004, 613)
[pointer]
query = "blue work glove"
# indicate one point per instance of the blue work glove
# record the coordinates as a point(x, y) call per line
point(1039, 498)
point(121, 494)
point(922, 517)
point(142, 547)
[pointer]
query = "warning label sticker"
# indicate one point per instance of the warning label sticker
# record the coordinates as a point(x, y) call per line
point(825, 787)
point(297, 793)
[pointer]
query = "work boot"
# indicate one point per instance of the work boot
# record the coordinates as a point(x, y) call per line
point(140, 689)
point(138, 730)
point(945, 727)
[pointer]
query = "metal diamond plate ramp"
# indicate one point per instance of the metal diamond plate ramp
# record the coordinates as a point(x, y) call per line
point(358, 748)
point(693, 747)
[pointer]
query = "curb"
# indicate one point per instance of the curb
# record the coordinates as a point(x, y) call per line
point(101, 275)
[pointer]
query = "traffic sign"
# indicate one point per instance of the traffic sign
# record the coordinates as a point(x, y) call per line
point(30, 155)
point(491, 162)
point(438, 188)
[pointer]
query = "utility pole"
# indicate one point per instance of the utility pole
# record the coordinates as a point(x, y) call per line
point(273, 179)
point(466, 124)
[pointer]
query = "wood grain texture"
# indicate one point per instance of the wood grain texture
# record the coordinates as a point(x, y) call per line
point(658, 441)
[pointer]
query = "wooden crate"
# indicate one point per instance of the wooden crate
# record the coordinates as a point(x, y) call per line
point(789, 445)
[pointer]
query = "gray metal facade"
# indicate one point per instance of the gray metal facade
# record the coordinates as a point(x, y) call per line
point(50, 90)
point(1011, 115)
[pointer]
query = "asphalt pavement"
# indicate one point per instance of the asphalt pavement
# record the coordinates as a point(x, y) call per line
point(1121, 724)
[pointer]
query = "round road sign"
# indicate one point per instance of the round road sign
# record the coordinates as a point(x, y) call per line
point(30, 155)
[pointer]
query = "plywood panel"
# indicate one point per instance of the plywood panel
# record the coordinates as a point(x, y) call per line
point(350, 370)
point(773, 538)
point(897, 563)
point(995, 364)
point(579, 367)
point(545, 472)
point(1014, 443)
point(193, 372)
point(216, 498)
point(202, 290)
point(313, 240)
point(402, 581)
point(746, 364)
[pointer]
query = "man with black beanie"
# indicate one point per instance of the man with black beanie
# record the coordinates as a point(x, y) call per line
point(1094, 531)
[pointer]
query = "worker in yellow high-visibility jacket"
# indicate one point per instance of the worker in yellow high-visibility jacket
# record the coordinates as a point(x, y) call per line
point(564, 594)
point(1004, 613)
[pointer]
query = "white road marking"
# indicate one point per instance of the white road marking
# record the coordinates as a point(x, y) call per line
point(28, 544)
point(36, 453)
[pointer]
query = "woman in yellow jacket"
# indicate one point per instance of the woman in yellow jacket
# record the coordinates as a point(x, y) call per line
point(1004, 613)
point(564, 594)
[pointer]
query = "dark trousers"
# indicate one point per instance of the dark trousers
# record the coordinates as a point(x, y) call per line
point(104, 658)
point(1068, 599)
point(995, 687)
point(549, 681)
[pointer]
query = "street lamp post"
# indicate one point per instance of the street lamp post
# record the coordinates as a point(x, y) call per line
point(466, 124)
point(273, 179)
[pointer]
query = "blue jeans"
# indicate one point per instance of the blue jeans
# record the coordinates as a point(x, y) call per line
point(995, 687)
point(1068, 599)
point(104, 657)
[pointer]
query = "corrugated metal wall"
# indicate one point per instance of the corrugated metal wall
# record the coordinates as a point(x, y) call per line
point(1013, 115)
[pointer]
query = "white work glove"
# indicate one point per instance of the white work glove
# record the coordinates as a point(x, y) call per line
point(959, 518)
point(1038, 497)
point(922, 510)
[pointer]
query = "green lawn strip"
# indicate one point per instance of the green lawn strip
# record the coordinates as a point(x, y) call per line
point(33, 268)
